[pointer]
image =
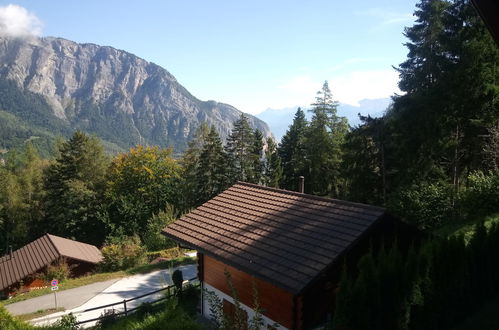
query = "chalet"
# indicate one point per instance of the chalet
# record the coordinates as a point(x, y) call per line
point(291, 245)
point(23, 265)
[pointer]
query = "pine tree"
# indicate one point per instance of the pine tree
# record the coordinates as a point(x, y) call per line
point(324, 138)
point(74, 190)
point(291, 151)
point(240, 145)
point(190, 163)
point(345, 310)
point(427, 59)
point(450, 79)
point(257, 157)
point(211, 172)
point(273, 169)
point(21, 191)
point(364, 161)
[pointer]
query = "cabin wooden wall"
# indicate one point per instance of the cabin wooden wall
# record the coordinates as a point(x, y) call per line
point(277, 304)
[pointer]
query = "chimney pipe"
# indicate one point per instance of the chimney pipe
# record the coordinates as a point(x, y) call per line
point(301, 184)
point(10, 249)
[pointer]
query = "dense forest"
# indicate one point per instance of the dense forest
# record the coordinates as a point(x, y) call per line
point(432, 159)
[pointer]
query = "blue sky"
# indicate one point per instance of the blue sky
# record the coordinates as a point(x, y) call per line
point(250, 54)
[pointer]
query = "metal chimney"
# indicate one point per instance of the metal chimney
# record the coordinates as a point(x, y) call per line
point(10, 251)
point(301, 184)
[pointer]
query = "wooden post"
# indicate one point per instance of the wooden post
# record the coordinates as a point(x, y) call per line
point(124, 304)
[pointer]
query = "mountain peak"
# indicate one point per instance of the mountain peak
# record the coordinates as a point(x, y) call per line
point(114, 94)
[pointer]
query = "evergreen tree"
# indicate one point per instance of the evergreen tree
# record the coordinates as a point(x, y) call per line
point(240, 150)
point(74, 187)
point(427, 59)
point(345, 310)
point(190, 163)
point(324, 138)
point(291, 150)
point(365, 161)
point(257, 156)
point(211, 171)
point(450, 80)
point(273, 169)
point(21, 191)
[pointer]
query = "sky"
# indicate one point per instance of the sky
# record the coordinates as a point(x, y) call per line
point(251, 54)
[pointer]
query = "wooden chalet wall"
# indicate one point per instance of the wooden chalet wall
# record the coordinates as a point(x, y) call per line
point(277, 304)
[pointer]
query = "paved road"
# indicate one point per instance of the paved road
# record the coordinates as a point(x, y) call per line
point(125, 288)
point(68, 299)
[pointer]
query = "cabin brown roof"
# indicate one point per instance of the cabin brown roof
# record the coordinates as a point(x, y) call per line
point(284, 237)
point(34, 256)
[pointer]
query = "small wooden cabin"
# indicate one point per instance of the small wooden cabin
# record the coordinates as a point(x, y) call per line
point(22, 266)
point(292, 246)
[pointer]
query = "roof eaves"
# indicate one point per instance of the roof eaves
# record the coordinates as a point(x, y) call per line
point(233, 264)
point(344, 252)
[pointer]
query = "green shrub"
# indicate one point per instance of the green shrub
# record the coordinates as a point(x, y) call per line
point(145, 309)
point(481, 197)
point(122, 253)
point(153, 239)
point(107, 318)
point(171, 253)
point(8, 322)
point(173, 318)
point(59, 270)
point(427, 205)
point(67, 322)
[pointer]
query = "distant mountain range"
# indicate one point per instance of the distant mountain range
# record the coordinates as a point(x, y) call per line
point(280, 119)
point(52, 86)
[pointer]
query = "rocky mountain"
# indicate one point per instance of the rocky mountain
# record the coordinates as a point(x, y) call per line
point(280, 119)
point(53, 86)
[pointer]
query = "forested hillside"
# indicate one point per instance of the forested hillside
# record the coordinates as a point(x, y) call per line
point(83, 194)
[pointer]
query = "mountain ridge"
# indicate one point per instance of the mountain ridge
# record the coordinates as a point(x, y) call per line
point(114, 94)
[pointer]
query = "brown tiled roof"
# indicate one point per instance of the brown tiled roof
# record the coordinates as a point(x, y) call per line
point(284, 237)
point(32, 257)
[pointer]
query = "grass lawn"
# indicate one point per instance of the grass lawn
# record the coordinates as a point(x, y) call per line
point(39, 313)
point(101, 277)
point(174, 314)
point(464, 228)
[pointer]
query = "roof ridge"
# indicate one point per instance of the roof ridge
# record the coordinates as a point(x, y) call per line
point(49, 236)
point(319, 198)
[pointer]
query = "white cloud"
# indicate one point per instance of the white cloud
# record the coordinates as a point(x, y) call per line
point(358, 85)
point(387, 17)
point(18, 22)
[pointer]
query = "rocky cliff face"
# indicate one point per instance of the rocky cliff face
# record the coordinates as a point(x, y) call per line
point(114, 94)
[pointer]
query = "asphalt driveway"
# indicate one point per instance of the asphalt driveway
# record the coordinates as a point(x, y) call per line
point(68, 299)
point(126, 288)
